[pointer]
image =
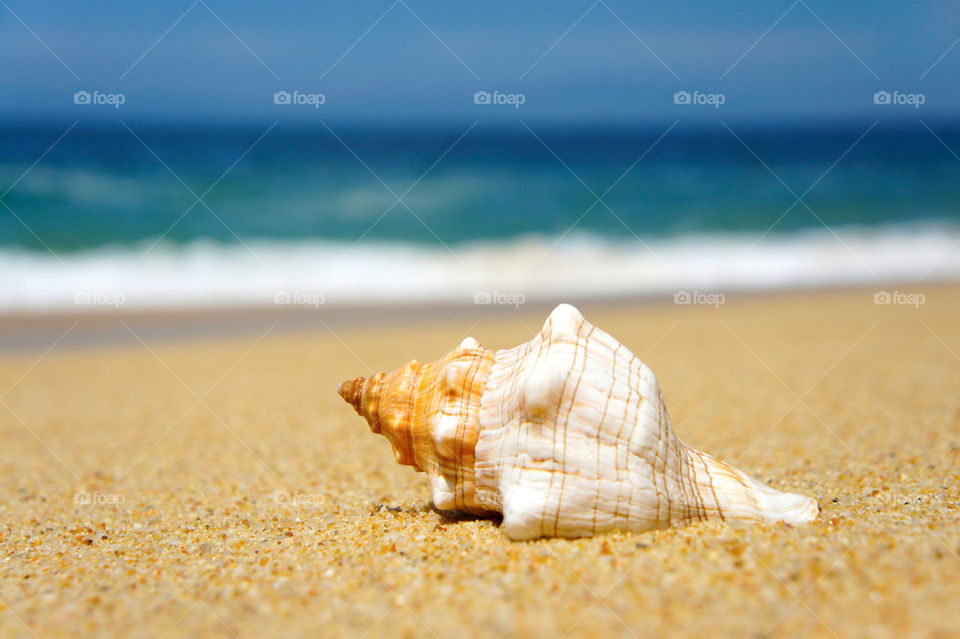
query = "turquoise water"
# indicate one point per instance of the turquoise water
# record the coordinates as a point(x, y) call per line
point(101, 186)
point(352, 215)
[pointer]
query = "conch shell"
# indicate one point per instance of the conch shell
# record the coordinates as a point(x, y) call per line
point(566, 435)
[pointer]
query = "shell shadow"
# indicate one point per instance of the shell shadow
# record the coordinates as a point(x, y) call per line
point(457, 516)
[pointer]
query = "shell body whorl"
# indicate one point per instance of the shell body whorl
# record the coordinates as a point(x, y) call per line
point(566, 435)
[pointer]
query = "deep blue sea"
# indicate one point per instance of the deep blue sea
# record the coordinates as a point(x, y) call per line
point(184, 215)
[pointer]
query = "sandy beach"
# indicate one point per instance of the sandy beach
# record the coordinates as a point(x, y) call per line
point(219, 486)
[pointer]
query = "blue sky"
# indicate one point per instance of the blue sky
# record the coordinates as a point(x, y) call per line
point(608, 61)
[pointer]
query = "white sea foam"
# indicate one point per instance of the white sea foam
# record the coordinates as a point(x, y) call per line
point(267, 272)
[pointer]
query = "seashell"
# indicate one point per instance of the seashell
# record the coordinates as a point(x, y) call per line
point(566, 435)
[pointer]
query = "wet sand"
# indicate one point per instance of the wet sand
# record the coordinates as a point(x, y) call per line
point(220, 487)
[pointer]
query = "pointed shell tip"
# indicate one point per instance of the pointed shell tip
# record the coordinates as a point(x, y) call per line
point(352, 391)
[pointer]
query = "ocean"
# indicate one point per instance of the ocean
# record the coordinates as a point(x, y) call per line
point(159, 216)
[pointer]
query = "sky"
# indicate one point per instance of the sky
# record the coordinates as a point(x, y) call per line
point(410, 61)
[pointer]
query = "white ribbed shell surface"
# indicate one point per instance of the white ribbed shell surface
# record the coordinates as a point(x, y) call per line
point(575, 440)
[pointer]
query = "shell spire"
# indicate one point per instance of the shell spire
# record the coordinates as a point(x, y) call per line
point(352, 392)
point(566, 435)
point(429, 413)
point(386, 402)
